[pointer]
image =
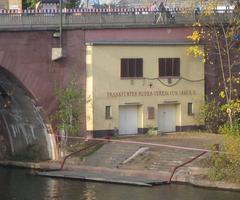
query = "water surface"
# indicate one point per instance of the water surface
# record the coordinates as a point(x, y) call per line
point(17, 184)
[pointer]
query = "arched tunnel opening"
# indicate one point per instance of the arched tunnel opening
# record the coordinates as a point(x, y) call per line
point(23, 133)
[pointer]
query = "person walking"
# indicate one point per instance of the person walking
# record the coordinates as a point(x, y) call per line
point(154, 9)
point(197, 13)
point(161, 13)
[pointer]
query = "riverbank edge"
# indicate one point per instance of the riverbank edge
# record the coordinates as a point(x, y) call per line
point(191, 175)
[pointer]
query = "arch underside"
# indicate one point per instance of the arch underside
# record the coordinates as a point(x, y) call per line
point(22, 129)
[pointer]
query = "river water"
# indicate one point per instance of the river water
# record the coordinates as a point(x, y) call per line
point(17, 184)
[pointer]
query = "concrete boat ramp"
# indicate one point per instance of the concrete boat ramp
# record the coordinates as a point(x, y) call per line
point(105, 166)
point(102, 177)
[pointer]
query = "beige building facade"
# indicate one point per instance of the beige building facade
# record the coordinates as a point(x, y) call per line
point(15, 4)
point(11, 4)
point(133, 87)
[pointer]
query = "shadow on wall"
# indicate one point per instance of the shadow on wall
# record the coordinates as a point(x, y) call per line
point(23, 133)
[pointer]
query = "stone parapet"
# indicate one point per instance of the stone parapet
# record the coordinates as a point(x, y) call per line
point(32, 20)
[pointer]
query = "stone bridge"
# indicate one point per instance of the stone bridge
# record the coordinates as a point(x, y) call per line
point(101, 18)
point(29, 76)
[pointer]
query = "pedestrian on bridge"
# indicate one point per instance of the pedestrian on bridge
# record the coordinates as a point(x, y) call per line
point(161, 17)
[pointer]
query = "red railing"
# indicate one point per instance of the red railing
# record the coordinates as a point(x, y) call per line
point(85, 148)
point(175, 168)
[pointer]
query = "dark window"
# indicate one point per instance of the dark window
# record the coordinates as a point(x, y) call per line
point(190, 108)
point(169, 66)
point(139, 67)
point(124, 68)
point(108, 112)
point(162, 68)
point(131, 67)
point(176, 66)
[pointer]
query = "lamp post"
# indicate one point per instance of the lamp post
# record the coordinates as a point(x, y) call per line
point(57, 53)
point(60, 27)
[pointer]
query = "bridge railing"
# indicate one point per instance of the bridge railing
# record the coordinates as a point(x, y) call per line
point(89, 10)
point(105, 10)
point(98, 17)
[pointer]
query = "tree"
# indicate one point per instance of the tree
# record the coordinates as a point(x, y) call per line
point(73, 3)
point(68, 113)
point(29, 4)
point(219, 33)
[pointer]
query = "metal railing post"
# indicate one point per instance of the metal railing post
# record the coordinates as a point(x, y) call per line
point(85, 148)
point(175, 168)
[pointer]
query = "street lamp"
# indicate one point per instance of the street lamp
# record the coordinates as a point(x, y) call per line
point(57, 53)
point(60, 28)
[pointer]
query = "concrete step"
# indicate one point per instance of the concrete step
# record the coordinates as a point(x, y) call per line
point(110, 155)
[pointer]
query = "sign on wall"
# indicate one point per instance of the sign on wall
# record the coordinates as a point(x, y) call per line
point(150, 93)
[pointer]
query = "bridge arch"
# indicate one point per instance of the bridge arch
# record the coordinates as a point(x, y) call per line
point(23, 131)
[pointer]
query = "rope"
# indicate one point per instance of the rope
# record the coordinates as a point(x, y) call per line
point(173, 84)
point(199, 80)
point(144, 143)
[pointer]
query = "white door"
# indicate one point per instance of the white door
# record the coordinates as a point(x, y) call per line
point(128, 120)
point(167, 118)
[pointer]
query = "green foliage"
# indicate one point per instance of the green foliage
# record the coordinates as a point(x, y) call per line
point(152, 131)
point(68, 114)
point(73, 3)
point(233, 130)
point(217, 170)
point(211, 115)
point(221, 51)
point(225, 166)
point(29, 4)
point(233, 108)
